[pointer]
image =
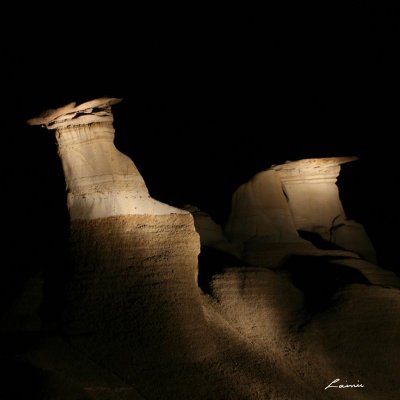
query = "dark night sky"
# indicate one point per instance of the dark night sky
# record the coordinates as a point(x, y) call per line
point(209, 100)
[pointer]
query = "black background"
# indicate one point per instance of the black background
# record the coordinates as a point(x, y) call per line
point(209, 99)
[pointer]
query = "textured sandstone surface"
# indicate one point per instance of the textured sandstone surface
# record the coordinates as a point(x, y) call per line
point(313, 198)
point(259, 208)
point(133, 302)
point(353, 336)
point(101, 181)
point(268, 211)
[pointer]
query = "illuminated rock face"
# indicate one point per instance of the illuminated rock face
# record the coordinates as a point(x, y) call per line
point(101, 181)
point(260, 209)
point(302, 195)
point(260, 225)
point(313, 198)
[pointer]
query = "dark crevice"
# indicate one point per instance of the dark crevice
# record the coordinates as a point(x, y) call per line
point(213, 262)
point(319, 279)
point(318, 241)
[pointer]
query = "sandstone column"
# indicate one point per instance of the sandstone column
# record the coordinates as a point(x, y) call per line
point(133, 301)
point(101, 181)
point(313, 198)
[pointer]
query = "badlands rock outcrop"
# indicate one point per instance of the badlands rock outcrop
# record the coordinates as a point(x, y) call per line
point(268, 212)
point(138, 326)
point(313, 198)
point(101, 181)
point(133, 292)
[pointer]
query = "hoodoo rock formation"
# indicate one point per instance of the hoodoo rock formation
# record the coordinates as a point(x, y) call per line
point(269, 211)
point(278, 319)
point(133, 290)
point(101, 181)
point(313, 198)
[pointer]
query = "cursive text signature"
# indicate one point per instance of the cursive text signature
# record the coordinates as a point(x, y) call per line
point(346, 386)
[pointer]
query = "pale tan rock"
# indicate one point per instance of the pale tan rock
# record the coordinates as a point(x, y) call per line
point(302, 195)
point(261, 224)
point(101, 181)
point(313, 198)
point(260, 209)
point(97, 110)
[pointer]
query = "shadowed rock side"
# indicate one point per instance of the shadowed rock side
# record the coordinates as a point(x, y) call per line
point(351, 334)
point(211, 234)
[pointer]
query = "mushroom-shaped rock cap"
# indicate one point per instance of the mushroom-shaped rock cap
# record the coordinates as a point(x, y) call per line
point(312, 168)
point(310, 163)
point(71, 114)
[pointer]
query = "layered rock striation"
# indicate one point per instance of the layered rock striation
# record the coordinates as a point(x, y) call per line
point(313, 198)
point(101, 181)
point(270, 210)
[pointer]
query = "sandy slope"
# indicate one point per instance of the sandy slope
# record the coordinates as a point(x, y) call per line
point(354, 337)
point(154, 335)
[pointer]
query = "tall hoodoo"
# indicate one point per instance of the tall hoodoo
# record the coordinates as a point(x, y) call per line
point(133, 293)
point(269, 210)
